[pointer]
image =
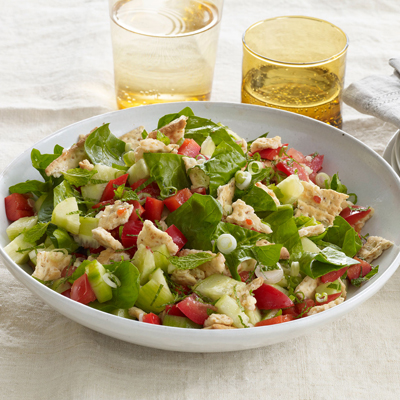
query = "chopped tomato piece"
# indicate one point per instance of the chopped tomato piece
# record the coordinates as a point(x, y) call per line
point(276, 320)
point(315, 164)
point(355, 272)
point(269, 298)
point(333, 276)
point(81, 290)
point(151, 319)
point(67, 293)
point(178, 199)
point(68, 271)
point(177, 236)
point(201, 190)
point(304, 307)
point(152, 189)
point(109, 191)
point(353, 214)
point(195, 310)
point(290, 311)
point(138, 210)
point(154, 209)
point(269, 154)
point(115, 233)
point(289, 167)
point(331, 297)
point(130, 233)
point(189, 148)
point(296, 155)
point(17, 206)
point(174, 310)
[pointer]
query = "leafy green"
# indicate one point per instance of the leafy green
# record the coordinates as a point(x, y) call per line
point(343, 235)
point(162, 138)
point(191, 261)
point(223, 165)
point(78, 176)
point(166, 119)
point(79, 271)
point(267, 255)
point(360, 280)
point(328, 260)
point(102, 147)
point(31, 186)
point(42, 161)
point(46, 210)
point(125, 295)
point(260, 200)
point(167, 170)
point(35, 233)
point(61, 238)
point(280, 216)
point(287, 234)
point(246, 240)
point(129, 195)
point(336, 185)
point(64, 191)
point(197, 219)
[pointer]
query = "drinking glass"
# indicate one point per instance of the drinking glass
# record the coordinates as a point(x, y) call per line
point(164, 50)
point(297, 64)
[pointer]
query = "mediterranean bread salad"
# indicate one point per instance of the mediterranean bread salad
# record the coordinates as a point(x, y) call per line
point(191, 226)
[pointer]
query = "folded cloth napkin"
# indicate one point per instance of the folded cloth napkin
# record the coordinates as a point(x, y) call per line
point(377, 95)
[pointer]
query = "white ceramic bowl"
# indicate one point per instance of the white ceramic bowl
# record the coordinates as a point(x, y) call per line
point(361, 169)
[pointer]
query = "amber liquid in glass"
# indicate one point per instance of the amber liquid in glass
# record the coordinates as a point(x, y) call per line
point(163, 54)
point(314, 92)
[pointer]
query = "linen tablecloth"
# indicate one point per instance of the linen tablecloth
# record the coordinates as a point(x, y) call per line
point(56, 69)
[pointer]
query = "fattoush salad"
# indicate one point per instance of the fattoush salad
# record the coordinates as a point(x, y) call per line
point(191, 226)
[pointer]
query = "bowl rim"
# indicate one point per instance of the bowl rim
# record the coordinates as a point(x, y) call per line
point(311, 321)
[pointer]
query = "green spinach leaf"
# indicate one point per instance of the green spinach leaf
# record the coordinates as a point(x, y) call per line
point(46, 209)
point(42, 161)
point(32, 186)
point(166, 119)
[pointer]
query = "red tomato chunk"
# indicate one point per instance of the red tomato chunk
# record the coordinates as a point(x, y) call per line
point(289, 167)
point(177, 236)
point(269, 298)
point(109, 191)
point(174, 310)
point(81, 290)
point(130, 233)
point(152, 319)
point(17, 206)
point(154, 209)
point(355, 272)
point(333, 276)
point(152, 189)
point(174, 202)
point(138, 210)
point(276, 320)
point(354, 214)
point(189, 148)
point(195, 310)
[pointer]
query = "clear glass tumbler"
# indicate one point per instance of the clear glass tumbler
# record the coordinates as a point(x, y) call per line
point(296, 64)
point(164, 50)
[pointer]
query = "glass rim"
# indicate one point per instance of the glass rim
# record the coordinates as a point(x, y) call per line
point(333, 57)
point(175, 36)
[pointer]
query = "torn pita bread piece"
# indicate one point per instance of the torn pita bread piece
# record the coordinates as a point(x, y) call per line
point(174, 130)
point(133, 137)
point(68, 159)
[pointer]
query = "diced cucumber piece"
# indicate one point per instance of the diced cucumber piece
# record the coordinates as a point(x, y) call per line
point(95, 272)
point(93, 192)
point(161, 257)
point(65, 215)
point(291, 189)
point(85, 236)
point(216, 286)
point(121, 312)
point(138, 171)
point(106, 173)
point(180, 322)
point(20, 225)
point(329, 288)
point(309, 245)
point(60, 285)
point(153, 297)
point(48, 242)
point(271, 314)
point(129, 158)
point(19, 243)
point(145, 263)
point(254, 316)
point(226, 305)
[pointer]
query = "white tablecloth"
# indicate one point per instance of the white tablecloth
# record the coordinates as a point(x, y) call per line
point(56, 69)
